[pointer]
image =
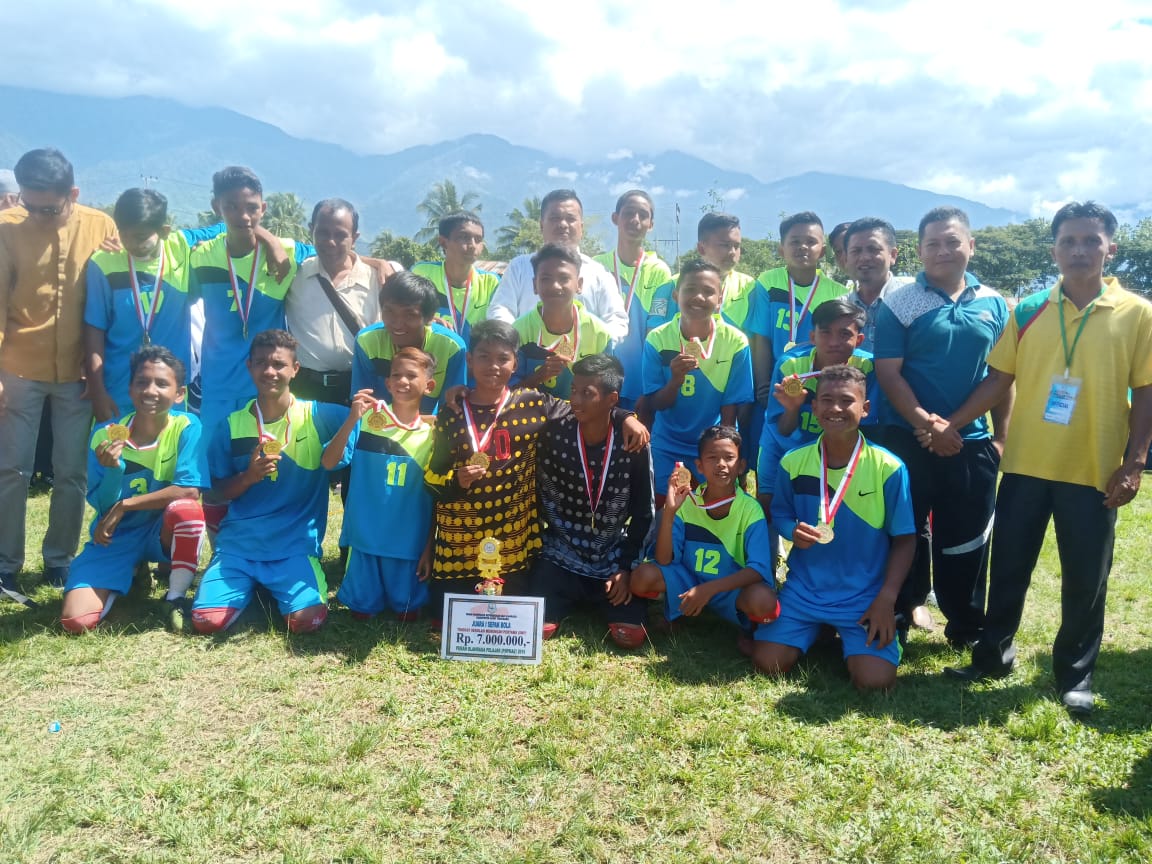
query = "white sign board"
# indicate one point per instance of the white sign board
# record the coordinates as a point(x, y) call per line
point(499, 629)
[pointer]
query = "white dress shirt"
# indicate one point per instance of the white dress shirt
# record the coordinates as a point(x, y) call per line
point(325, 343)
point(600, 294)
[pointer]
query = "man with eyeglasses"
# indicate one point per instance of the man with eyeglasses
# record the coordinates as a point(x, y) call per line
point(45, 244)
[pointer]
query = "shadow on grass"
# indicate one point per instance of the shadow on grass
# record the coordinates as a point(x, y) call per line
point(924, 696)
point(1134, 798)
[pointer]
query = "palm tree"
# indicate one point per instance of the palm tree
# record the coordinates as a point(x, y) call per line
point(438, 203)
point(522, 233)
point(286, 217)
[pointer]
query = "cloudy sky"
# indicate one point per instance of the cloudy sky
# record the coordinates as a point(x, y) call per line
point(1015, 103)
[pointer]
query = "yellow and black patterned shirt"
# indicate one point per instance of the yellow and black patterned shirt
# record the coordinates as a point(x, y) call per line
point(504, 503)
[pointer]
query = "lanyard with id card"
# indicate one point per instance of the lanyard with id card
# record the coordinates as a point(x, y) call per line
point(1065, 389)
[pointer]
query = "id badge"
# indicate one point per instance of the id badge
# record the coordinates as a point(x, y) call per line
point(1062, 400)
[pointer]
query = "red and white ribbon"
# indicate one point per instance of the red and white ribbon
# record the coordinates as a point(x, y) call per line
point(138, 296)
point(828, 508)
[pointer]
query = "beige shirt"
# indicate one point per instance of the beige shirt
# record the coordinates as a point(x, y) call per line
point(42, 291)
point(325, 343)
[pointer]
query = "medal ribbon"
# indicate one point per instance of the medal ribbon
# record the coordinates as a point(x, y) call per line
point(1076, 339)
point(383, 408)
point(138, 297)
point(588, 479)
point(458, 318)
point(575, 333)
point(480, 443)
point(132, 444)
point(243, 309)
point(715, 505)
point(795, 320)
point(264, 434)
point(828, 509)
point(635, 278)
point(705, 350)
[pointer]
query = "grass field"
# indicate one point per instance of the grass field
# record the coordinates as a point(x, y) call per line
point(359, 745)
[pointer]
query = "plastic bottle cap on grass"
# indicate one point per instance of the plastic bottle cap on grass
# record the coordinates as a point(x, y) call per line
point(54, 726)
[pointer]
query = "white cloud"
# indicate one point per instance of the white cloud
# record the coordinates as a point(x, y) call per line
point(555, 173)
point(1016, 103)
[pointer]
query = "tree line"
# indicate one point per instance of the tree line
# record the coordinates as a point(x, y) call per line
point(1014, 258)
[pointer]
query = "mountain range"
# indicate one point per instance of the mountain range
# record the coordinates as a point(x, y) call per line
point(132, 141)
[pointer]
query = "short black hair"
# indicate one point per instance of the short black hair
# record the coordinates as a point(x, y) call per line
point(157, 354)
point(335, 204)
point(496, 332)
point(556, 252)
point(839, 231)
point(45, 170)
point(235, 177)
point(273, 339)
point(712, 222)
point(635, 193)
point(140, 208)
point(804, 217)
point(559, 196)
point(405, 288)
point(697, 265)
point(868, 224)
point(943, 214)
point(454, 220)
point(843, 372)
point(831, 311)
point(1087, 210)
point(606, 369)
point(417, 355)
point(718, 433)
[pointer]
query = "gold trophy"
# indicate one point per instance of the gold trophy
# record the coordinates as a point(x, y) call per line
point(488, 567)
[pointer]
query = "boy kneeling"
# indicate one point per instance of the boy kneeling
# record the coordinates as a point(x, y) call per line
point(145, 473)
point(712, 548)
point(845, 505)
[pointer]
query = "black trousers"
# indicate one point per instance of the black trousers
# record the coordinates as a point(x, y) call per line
point(1085, 538)
point(562, 590)
point(515, 585)
point(960, 493)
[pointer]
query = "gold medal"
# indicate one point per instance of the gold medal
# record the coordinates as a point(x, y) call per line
point(563, 349)
point(481, 459)
point(793, 386)
point(694, 349)
point(271, 447)
point(825, 531)
point(376, 421)
point(118, 432)
point(681, 475)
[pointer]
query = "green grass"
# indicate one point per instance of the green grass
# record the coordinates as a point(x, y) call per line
point(360, 745)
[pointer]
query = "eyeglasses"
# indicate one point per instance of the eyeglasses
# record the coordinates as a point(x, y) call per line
point(45, 212)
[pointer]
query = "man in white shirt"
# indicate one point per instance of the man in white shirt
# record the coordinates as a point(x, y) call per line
point(334, 296)
point(562, 222)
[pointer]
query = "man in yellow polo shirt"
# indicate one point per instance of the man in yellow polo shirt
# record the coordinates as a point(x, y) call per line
point(44, 247)
point(1075, 451)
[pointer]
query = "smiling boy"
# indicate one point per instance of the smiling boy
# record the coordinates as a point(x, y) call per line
point(558, 331)
point(266, 459)
point(145, 473)
point(844, 504)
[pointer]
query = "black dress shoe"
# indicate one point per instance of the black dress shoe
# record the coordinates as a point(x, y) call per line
point(1078, 702)
point(973, 673)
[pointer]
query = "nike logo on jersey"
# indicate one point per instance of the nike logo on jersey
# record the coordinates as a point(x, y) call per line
point(862, 493)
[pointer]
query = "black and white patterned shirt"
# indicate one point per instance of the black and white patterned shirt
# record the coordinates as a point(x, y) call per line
point(573, 539)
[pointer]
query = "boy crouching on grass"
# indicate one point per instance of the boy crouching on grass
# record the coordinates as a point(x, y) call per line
point(845, 505)
point(145, 473)
point(265, 460)
point(597, 502)
point(712, 546)
point(388, 515)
